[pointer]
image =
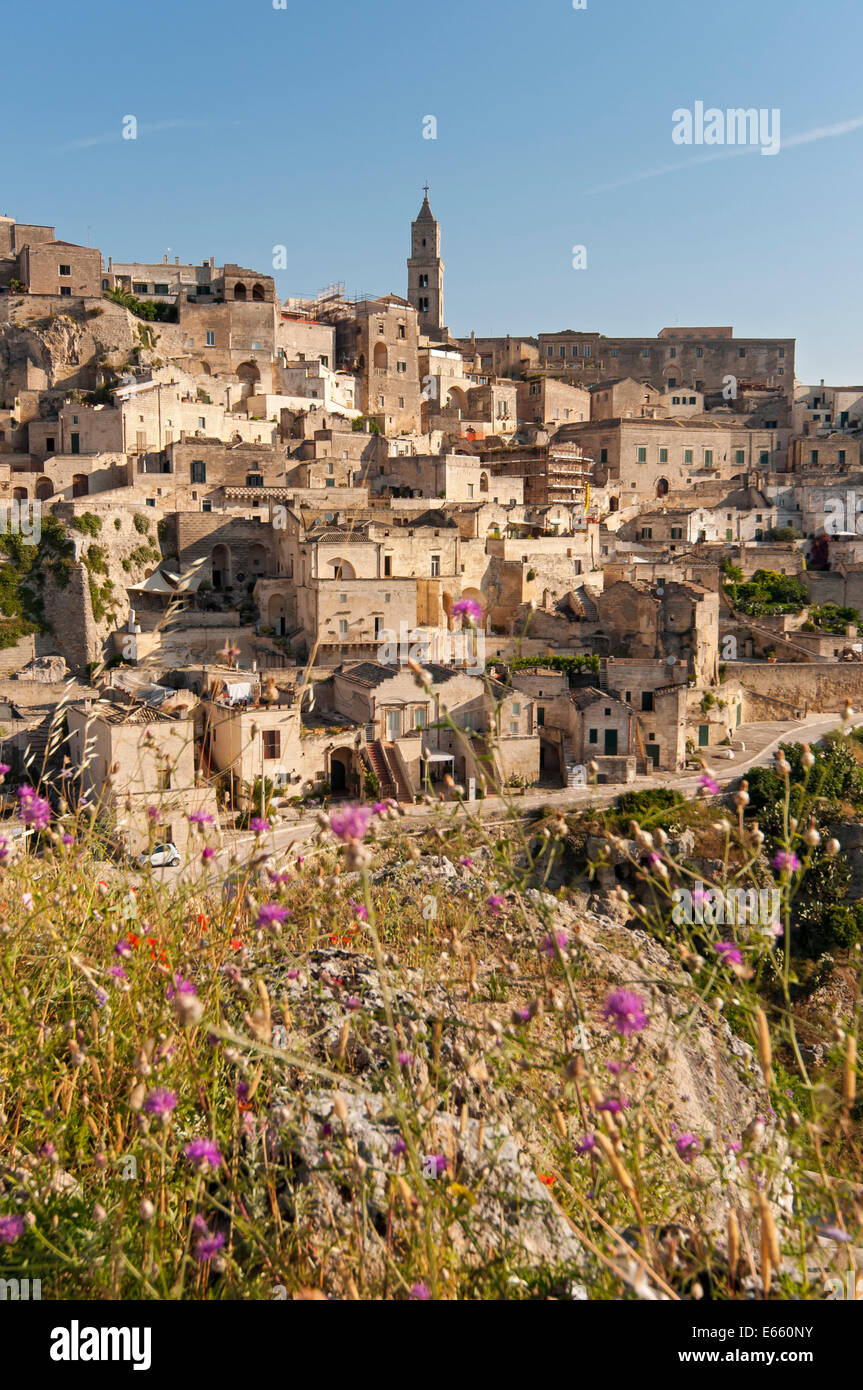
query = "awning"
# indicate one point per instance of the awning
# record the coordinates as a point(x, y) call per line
point(439, 757)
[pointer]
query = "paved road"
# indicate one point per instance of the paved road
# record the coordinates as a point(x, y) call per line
point(755, 745)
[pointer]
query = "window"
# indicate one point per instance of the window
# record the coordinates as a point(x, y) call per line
point(49, 445)
point(161, 289)
point(403, 333)
point(254, 480)
point(841, 458)
point(65, 270)
point(420, 717)
point(781, 352)
point(343, 627)
point(424, 304)
point(647, 533)
point(586, 352)
point(677, 533)
point(603, 456)
point(813, 456)
point(641, 454)
point(645, 352)
point(139, 287)
point(741, 352)
point(401, 367)
point(272, 744)
point(699, 352)
point(708, 457)
point(206, 506)
point(687, 455)
point(615, 352)
point(663, 456)
point(424, 282)
point(740, 456)
point(211, 338)
point(763, 459)
point(65, 292)
point(647, 701)
point(198, 471)
point(435, 567)
point(593, 736)
point(516, 709)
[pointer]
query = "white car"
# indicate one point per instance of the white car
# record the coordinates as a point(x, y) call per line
point(161, 857)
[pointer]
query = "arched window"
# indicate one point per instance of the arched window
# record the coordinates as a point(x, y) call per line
point(258, 292)
point(239, 290)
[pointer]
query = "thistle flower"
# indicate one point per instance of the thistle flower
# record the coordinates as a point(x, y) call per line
point(11, 1227)
point(468, 608)
point(271, 914)
point(208, 1246)
point(160, 1101)
point(358, 910)
point(786, 861)
point(624, 1011)
point(351, 823)
point(33, 809)
point(708, 785)
point(420, 1292)
point(495, 903)
point(200, 818)
point(688, 1146)
point(204, 1153)
point(587, 1144)
point(258, 825)
point(729, 953)
point(552, 944)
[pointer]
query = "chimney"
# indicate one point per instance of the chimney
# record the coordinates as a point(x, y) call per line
point(212, 263)
point(176, 260)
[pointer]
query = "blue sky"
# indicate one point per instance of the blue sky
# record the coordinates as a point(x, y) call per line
point(304, 127)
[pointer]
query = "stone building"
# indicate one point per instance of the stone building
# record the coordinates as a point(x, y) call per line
point(547, 401)
point(378, 341)
point(701, 357)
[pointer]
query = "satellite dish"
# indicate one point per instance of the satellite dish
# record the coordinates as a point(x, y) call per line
point(671, 661)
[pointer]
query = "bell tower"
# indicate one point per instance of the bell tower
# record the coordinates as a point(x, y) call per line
point(426, 270)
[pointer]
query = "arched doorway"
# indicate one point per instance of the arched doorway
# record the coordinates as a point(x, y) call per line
point(341, 767)
point(613, 504)
point(80, 486)
point(342, 569)
point(239, 290)
point(381, 357)
point(483, 482)
point(249, 376)
point(662, 487)
point(457, 400)
point(44, 489)
point(550, 770)
point(259, 559)
point(19, 494)
point(276, 615)
point(258, 293)
point(221, 563)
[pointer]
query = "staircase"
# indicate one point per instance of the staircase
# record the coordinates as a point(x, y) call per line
point(570, 763)
point(404, 790)
point(377, 761)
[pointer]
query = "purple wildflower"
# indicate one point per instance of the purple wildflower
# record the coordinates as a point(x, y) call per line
point(359, 911)
point(420, 1292)
point(709, 785)
point(786, 861)
point(207, 853)
point(160, 1101)
point(269, 914)
point(258, 825)
point(208, 1246)
point(399, 1147)
point(11, 1227)
point(353, 1004)
point(351, 822)
point(200, 818)
point(624, 1010)
point(521, 1015)
point(552, 944)
point(729, 953)
point(4, 768)
point(435, 1165)
point(495, 903)
point(688, 1145)
point(586, 1145)
point(469, 608)
point(204, 1153)
point(833, 1233)
point(33, 809)
point(405, 1059)
point(180, 986)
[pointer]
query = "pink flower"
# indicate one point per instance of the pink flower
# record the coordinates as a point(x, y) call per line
point(552, 944)
point(624, 1010)
point(708, 785)
point(351, 822)
point(208, 1246)
point(259, 826)
point(688, 1146)
point(729, 953)
point(204, 1153)
point(11, 1227)
point(495, 903)
point(469, 608)
point(786, 862)
point(359, 911)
